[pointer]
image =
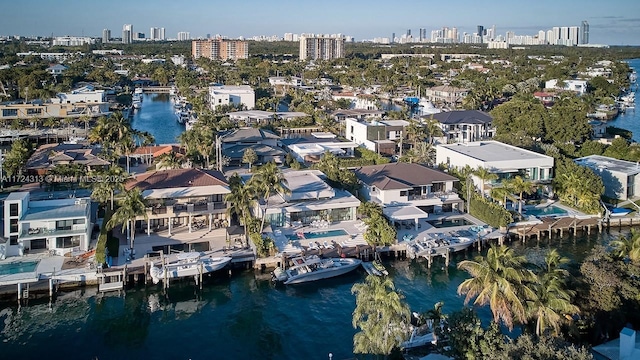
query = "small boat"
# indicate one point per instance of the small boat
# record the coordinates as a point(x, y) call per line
point(370, 269)
point(137, 90)
point(377, 264)
point(314, 268)
point(187, 264)
point(420, 336)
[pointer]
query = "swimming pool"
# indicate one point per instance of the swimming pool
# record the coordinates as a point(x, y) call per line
point(443, 223)
point(18, 267)
point(318, 234)
point(547, 211)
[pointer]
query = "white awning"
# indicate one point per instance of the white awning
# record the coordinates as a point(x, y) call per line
point(182, 192)
point(404, 213)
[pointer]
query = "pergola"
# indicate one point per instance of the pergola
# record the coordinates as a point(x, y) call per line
point(404, 213)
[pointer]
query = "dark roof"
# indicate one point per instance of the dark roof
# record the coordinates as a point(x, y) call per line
point(247, 134)
point(400, 175)
point(237, 151)
point(47, 155)
point(462, 117)
point(176, 178)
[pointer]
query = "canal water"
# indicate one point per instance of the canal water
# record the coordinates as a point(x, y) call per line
point(630, 120)
point(244, 316)
point(157, 117)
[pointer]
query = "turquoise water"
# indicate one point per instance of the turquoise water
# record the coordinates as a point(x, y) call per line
point(245, 316)
point(546, 211)
point(444, 223)
point(18, 267)
point(157, 117)
point(319, 234)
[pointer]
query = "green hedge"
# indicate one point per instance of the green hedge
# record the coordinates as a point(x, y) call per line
point(490, 212)
point(355, 162)
point(101, 256)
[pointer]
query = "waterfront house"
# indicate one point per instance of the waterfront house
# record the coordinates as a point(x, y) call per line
point(309, 149)
point(264, 142)
point(409, 191)
point(181, 198)
point(250, 117)
point(309, 199)
point(506, 161)
point(34, 223)
point(341, 115)
point(149, 154)
point(620, 178)
point(48, 156)
point(464, 125)
point(236, 96)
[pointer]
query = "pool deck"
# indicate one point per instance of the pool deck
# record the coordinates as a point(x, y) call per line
point(550, 224)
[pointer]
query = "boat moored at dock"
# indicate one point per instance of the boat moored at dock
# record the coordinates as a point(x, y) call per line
point(314, 268)
point(187, 264)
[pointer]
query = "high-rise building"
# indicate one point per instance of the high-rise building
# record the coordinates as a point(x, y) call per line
point(480, 32)
point(157, 34)
point(584, 32)
point(220, 49)
point(393, 37)
point(408, 32)
point(127, 34)
point(314, 47)
point(162, 36)
point(574, 32)
point(106, 35)
point(184, 36)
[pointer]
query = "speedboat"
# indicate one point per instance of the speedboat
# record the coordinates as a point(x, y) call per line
point(314, 268)
point(187, 264)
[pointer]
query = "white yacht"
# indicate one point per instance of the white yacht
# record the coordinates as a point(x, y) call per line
point(187, 264)
point(313, 268)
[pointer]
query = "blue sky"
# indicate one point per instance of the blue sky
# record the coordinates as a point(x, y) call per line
point(615, 22)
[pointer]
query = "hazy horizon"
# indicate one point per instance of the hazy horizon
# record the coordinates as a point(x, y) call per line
point(363, 20)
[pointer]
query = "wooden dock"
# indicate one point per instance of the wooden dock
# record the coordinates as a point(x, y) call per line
point(550, 227)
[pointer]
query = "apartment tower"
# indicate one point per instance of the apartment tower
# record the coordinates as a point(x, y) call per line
point(220, 49)
point(314, 47)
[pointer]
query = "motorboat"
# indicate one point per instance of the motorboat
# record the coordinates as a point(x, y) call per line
point(137, 90)
point(314, 268)
point(420, 336)
point(187, 264)
point(375, 268)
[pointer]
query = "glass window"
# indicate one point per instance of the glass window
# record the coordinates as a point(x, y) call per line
point(9, 112)
point(13, 226)
point(67, 242)
point(13, 210)
point(403, 193)
point(78, 221)
point(64, 224)
point(13, 240)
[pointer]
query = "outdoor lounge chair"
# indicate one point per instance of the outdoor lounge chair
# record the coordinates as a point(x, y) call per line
point(313, 246)
point(327, 245)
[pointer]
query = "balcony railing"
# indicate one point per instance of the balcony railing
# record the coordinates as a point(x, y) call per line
point(37, 233)
point(188, 208)
point(433, 195)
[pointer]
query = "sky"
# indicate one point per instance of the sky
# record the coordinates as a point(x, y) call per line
point(613, 22)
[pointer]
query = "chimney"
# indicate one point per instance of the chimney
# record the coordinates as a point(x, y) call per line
point(627, 343)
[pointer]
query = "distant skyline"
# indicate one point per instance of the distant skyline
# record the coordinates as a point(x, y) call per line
point(615, 22)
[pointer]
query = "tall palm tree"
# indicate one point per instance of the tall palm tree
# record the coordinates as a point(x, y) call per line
point(500, 280)
point(267, 180)
point(170, 160)
point(130, 206)
point(484, 175)
point(522, 186)
point(628, 246)
point(103, 191)
point(503, 193)
point(241, 199)
point(553, 301)
point(382, 316)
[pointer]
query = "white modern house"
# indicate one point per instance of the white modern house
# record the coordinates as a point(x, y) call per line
point(310, 199)
point(310, 149)
point(620, 178)
point(577, 86)
point(220, 95)
point(85, 94)
point(504, 160)
point(409, 191)
point(263, 117)
point(377, 135)
point(59, 225)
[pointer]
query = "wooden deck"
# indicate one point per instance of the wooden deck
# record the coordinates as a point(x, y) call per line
point(549, 227)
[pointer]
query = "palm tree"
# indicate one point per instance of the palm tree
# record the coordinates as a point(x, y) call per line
point(501, 281)
point(502, 193)
point(553, 301)
point(484, 175)
point(86, 119)
point(382, 316)
point(435, 315)
point(522, 186)
point(241, 199)
point(170, 160)
point(628, 246)
point(103, 191)
point(130, 206)
point(268, 179)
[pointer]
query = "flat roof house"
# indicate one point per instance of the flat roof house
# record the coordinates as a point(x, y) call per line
point(264, 142)
point(231, 95)
point(620, 178)
point(504, 160)
point(59, 225)
point(464, 125)
point(311, 148)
